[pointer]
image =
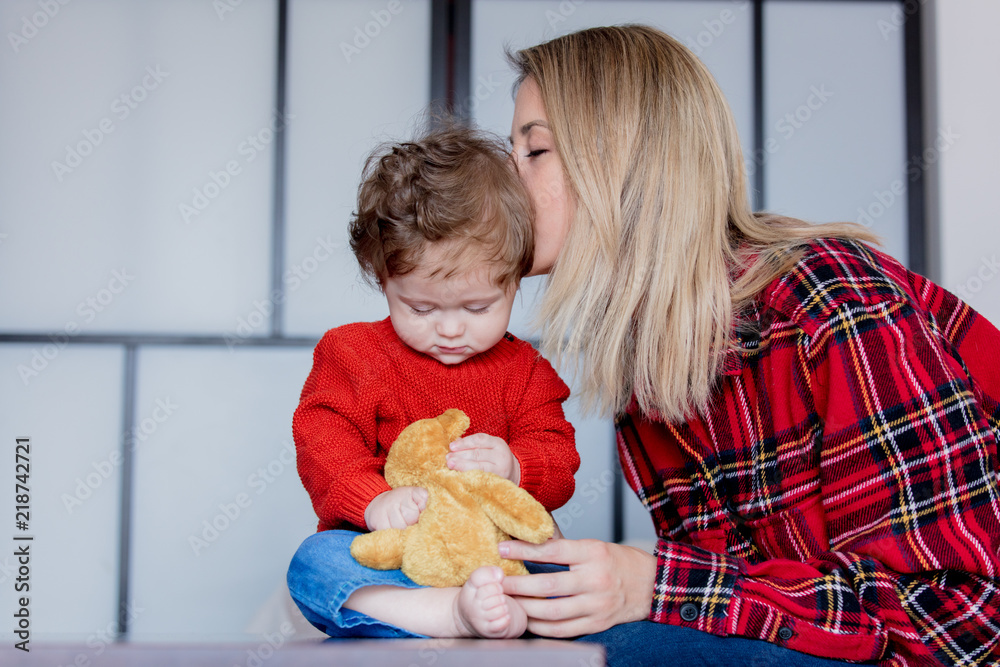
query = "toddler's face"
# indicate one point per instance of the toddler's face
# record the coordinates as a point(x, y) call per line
point(449, 319)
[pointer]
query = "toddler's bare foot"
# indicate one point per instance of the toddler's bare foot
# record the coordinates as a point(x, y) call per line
point(482, 609)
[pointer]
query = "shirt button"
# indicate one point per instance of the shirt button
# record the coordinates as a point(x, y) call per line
point(689, 611)
point(784, 634)
point(731, 506)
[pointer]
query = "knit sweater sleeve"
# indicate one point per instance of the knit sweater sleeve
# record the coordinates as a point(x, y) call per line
point(540, 436)
point(334, 426)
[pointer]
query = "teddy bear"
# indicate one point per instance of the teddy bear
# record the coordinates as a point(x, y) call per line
point(466, 516)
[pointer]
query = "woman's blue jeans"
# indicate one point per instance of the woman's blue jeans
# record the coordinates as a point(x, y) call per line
point(323, 575)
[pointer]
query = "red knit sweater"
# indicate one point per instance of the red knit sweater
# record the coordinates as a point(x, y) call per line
point(366, 386)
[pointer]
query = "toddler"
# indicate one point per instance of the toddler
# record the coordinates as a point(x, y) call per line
point(443, 229)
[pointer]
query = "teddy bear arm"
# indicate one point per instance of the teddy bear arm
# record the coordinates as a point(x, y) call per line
point(510, 507)
point(379, 550)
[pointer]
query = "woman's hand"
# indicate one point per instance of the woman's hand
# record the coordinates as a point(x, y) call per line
point(606, 584)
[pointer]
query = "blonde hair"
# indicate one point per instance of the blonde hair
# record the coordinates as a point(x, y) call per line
point(663, 254)
point(452, 187)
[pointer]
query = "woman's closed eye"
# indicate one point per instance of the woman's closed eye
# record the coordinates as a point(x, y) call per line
point(537, 152)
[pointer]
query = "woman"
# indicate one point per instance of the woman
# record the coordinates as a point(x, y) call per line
point(813, 428)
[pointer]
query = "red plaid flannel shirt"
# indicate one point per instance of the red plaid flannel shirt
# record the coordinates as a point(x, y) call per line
point(841, 495)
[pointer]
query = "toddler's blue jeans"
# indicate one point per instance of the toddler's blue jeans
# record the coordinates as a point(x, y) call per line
point(323, 575)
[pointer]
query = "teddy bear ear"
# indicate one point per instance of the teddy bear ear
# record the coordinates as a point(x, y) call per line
point(455, 422)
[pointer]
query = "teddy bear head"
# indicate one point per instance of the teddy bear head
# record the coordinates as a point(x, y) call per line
point(421, 448)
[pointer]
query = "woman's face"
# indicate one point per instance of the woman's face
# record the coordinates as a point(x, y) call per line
point(541, 171)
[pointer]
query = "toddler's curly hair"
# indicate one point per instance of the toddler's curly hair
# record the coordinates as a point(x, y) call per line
point(455, 185)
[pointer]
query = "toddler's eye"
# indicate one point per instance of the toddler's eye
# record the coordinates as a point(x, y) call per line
point(421, 311)
point(478, 311)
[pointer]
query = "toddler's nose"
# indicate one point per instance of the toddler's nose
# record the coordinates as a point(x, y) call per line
point(450, 327)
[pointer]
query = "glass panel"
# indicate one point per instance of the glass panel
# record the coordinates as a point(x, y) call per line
point(359, 73)
point(965, 152)
point(139, 196)
point(835, 115)
point(68, 401)
point(719, 32)
point(588, 514)
point(219, 508)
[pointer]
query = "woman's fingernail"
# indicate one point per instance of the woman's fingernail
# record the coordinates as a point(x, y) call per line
point(504, 549)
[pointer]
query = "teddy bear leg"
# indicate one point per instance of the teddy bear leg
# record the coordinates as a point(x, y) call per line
point(380, 550)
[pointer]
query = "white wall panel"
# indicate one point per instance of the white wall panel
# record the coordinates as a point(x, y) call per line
point(834, 115)
point(117, 113)
point(719, 32)
point(588, 514)
point(968, 99)
point(219, 508)
point(359, 74)
point(68, 401)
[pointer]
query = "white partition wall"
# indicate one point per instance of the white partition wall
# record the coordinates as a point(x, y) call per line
point(359, 74)
point(68, 401)
point(219, 509)
point(967, 153)
point(136, 202)
point(834, 116)
point(165, 165)
point(719, 31)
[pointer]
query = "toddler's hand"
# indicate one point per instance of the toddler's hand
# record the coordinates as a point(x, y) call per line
point(398, 508)
point(484, 452)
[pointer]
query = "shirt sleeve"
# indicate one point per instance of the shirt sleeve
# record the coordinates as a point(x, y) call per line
point(540, 436)
point(338, 457)
point(902, 566)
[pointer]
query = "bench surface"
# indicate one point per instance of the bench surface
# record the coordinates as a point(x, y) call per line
point(329, 653)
